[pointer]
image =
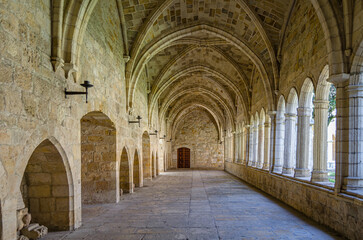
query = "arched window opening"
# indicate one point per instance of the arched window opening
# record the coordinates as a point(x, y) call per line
point(290, 133)
point(261, 139)
point(280, 136)
point(304, 133)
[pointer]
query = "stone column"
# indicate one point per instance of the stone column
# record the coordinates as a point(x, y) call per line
point(267, 146)
point(236, 149)
point(261, 145)
point(354, 167)
point(320, 173)
point(279, 144)
point(272, 140)
point(250, 146)
point(290, 143)
point(255, 145)
point(303, 142)
point(243, 146)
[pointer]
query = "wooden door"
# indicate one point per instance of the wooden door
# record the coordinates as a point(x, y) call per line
point(183, 158)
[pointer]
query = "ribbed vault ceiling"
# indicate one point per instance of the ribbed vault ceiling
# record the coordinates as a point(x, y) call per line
point(202, 54)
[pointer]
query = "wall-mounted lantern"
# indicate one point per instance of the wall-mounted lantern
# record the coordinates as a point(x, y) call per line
point(163, 137)
point(85, 84)
point(138, 120)
point(155, 133)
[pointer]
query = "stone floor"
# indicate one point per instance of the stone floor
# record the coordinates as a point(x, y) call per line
point(195, 204)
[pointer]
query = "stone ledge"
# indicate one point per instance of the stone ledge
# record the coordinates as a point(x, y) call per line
point(340, 211)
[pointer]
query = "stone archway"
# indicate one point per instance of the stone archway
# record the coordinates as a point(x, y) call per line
point(125, 183)
point(45, 189)
point(146, 164)
point(98, 162)
point(136, 169)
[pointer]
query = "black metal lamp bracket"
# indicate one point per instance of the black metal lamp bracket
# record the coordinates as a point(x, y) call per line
point(86, 85)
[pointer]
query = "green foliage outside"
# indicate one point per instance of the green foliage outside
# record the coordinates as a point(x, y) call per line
point(332, 104)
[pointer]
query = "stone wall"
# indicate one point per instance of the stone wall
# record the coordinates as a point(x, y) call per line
point(197, 132)
point(33, 107)
point(341, 212)
point(98, 168)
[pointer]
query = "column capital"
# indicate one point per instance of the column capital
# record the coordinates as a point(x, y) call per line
point(339, 78)
point(304, 111)
point(267, 124)
point(321, 104)
point(290, 115)
point(355, 90)
point(272, 113)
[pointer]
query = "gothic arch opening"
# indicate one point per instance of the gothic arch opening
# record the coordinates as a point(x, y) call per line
point(290, 133)
point(98, 159)
point(146, 164)
point(280, 135)
point(136, 169)
point(304, 156)
point(46, 189)
point(125, 183)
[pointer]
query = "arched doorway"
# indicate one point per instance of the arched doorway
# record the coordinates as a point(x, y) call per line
point(136, 169)
point(98, 162)
point(125, 184)
point(45, 189)
point(146, 165)
point(183, 157)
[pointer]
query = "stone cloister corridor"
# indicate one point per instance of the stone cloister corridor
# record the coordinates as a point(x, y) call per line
point(198, 119)
point(195, 204)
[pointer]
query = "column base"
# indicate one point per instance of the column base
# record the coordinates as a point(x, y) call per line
point(265, 167)
point(277, 169)
point(287, 170)
point(319, 176)
point(352, 183)
point(302, 172)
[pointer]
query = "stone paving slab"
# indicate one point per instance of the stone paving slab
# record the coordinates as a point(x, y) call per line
point(198, 205)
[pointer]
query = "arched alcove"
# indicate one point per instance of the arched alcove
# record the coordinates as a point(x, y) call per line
point(98, 161)
point(146, 161)
point(125, 184)
point(46, 189)
point(136, 169)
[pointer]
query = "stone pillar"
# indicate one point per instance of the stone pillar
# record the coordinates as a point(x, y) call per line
point(261, 145)
point(290, 143)
point(303, 142)
point(243, 146)
point(267, 146)
point(236, 149)
point(354, 167)
point(279, 144)
point(272, 140)
point(255, 145)
point(250, 146)
point(320, 173)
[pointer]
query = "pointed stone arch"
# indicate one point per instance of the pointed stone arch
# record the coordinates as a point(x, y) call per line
point(98, 159)
point(125, 179)
point(136, 170)
point(46, 188)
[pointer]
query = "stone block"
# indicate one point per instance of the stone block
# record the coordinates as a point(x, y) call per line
point(62, 204)
point(47, 205)
point(39, 191)
point(38, 178)
point(60, 191)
